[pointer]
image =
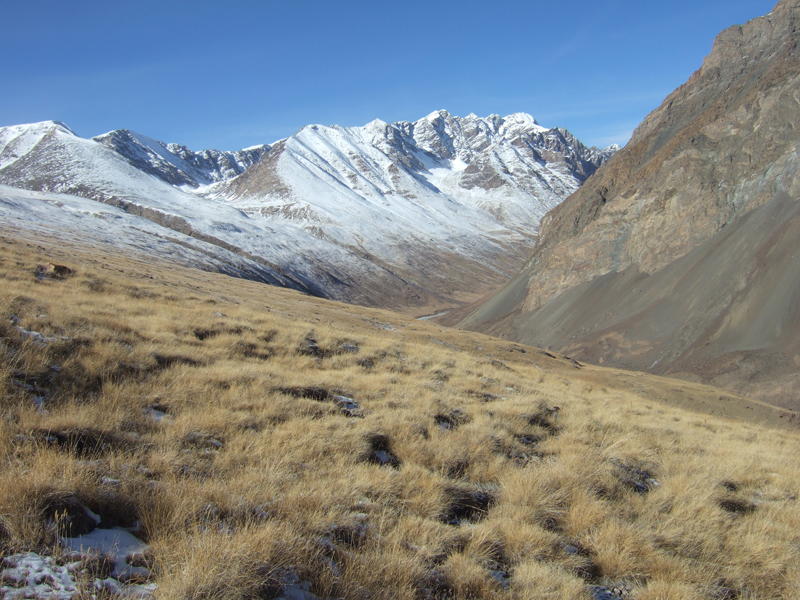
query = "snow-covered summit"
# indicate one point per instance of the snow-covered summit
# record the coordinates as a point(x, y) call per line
point(509, 161)
point(17, 141)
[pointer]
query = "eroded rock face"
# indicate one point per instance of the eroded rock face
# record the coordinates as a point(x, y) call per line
point(675, 256)
point(720, 145)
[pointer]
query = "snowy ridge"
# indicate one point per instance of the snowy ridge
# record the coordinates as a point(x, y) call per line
point(392, 215)
point(176, 164)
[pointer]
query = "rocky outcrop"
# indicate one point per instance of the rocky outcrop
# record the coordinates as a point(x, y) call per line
point(663, 210)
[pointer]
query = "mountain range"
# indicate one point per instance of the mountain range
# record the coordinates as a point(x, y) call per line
point(423, 214)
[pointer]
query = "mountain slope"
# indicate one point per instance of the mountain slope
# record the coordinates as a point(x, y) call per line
point(651, 232)
point(177, 164)
point(425, 214)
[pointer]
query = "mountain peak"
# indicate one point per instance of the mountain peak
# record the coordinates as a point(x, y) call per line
point(436, 115)
point(522, 118)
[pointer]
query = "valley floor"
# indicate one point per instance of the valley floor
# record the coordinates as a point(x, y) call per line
point(258, 443)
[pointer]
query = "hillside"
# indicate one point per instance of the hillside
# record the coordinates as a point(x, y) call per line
point(244, 441)
point(676, 256)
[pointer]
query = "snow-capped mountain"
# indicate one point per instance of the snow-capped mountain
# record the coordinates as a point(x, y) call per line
point(507, 171)
point(404, 214)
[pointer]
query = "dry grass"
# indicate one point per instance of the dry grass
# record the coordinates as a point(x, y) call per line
point(508, 473)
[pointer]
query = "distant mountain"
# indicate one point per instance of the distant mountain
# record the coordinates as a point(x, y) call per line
point(409, 214)
point(680, 255)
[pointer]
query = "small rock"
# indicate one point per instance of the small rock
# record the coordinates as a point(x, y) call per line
point(348, 406)
point(384, 457)
point(600, 592)
point(202, 440)
point(501, 577)
point(53, 271)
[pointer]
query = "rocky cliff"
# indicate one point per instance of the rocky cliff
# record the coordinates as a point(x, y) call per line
point(657, 226)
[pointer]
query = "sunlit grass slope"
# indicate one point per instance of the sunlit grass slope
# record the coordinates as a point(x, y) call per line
point(255, 432)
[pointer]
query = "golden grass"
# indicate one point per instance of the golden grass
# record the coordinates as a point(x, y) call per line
point(511, 473)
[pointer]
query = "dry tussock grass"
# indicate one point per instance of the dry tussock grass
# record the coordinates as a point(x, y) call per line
point(209, 411)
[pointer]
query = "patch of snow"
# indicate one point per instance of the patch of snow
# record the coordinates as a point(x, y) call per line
point(118, 545)
point(33, 576)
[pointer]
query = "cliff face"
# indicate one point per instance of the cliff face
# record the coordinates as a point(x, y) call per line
point(721, 146)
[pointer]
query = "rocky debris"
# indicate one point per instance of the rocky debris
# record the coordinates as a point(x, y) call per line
point(294, 588)
point(352, 535)
point(447, 345)
point(379, 451)
point(310, 347)
point(202, 441)
point(435, 585)
point(38, 395)
point(617, 592)
point(348, 347)
point(53, 271)
point(636, 479)
point(528, 439)
point(158, 412)
point(501, 576)
point(39, 339)
point(347, 405)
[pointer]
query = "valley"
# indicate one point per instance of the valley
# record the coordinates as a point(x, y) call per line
point(455, 358)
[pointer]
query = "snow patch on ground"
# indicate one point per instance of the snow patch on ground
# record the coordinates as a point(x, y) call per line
point(30, 575)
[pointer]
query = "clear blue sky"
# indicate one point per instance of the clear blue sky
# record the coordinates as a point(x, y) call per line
point(233, 74)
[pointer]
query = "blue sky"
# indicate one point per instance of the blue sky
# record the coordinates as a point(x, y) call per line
point(233, 74)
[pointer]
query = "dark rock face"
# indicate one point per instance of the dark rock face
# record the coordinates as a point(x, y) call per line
point(675, 256)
